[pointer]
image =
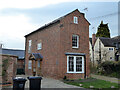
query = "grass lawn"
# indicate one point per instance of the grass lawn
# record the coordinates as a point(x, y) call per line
point(96, 83)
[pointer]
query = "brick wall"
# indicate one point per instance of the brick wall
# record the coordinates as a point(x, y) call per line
point(20, 64)
point(10, 68)
point(56, 41)
point(66, 32)
point(50, 38)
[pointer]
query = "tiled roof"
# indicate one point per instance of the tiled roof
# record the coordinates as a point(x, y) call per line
point(37, 56)
point(117, 38)
point(53, 22)
point(107, 41)
point(19, 53)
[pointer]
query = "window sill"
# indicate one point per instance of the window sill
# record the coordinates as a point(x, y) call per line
point(39, 49)
point(75, 47)
point(75, 72)
point(75, 23)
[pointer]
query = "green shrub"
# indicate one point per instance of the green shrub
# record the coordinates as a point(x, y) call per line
point(4, 67)
point(109, 68)
point(93, 69)
point(65, 77)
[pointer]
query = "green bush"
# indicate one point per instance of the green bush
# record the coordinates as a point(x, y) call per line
point(93, 69)
point(4, 67)
point(110, 68)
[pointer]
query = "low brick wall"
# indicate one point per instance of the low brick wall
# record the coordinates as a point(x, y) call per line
point(9, 65)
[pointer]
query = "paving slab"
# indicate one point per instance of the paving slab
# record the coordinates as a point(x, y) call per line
point(53, 83)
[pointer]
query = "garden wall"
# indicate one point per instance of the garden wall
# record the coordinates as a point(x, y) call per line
point(9, 66)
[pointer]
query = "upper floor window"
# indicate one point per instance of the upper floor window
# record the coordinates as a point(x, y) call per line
point(75, 41)
point(39, 46)
point(75, 20)
point(111, 49)
point(29, 47)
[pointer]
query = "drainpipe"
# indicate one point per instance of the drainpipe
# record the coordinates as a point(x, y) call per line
point(85, 67)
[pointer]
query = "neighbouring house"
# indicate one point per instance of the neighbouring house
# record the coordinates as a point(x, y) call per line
point(59, 49)
point(20, 59)
point(103, 49)
point(117, 44)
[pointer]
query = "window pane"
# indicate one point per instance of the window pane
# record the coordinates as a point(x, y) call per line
point(76, 20)
point(30, 42)
point(30, 65)
point(74, 41)
point(78, 64)
point(38, 63)
point(71, 63)
point(29, 46)
point(39, 46)
point(110, 48)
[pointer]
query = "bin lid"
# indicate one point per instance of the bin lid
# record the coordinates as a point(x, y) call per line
point(34, 77)
point(19, 79)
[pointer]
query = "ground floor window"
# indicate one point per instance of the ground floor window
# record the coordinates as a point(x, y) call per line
point(30, 64)
point(38, 63)
point(75, 64)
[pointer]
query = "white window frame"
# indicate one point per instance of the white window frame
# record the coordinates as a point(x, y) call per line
point(110, 49)
point(29, 46)
point(30, 64)
point(75, 64)
point(39, 46)
point(77, 41)
point(38, 63)
point(75, 20)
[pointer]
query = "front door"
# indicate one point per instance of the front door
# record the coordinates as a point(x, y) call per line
point(36, 67)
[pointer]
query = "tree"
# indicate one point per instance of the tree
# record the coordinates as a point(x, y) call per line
point(103, 30)
point(104, 55)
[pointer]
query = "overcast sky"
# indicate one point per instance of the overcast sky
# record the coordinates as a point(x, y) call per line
point(20, 17)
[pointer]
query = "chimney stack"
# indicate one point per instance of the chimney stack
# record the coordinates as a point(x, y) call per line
point(93, 39)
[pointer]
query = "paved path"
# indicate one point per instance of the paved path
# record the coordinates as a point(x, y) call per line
point(52, 83)
point(111, 79)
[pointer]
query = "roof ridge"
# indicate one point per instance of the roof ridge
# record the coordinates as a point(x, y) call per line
point(105, 37)
point(12, 49)
point(52, 22)
point(116, 36)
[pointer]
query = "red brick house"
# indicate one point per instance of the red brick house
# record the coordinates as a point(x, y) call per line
point(60, 48)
